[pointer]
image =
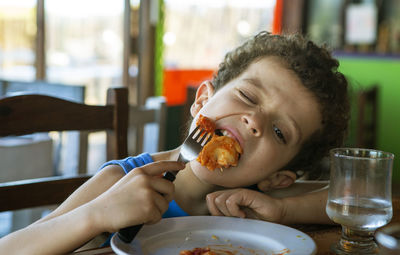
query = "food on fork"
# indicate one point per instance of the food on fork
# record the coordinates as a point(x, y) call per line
point(221, 151)
point(206, 124)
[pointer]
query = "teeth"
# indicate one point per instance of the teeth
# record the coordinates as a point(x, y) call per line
point(222, 132)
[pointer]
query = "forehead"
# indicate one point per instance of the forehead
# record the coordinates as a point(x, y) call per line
point(272, 70)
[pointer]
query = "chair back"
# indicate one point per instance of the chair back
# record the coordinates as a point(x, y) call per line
point(29, 113)
point(69, 146)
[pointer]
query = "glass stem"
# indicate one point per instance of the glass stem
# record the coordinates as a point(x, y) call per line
point(357, 242)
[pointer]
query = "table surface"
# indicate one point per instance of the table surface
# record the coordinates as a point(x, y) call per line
point(323, 235)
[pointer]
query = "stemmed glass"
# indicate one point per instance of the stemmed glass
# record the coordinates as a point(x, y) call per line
point(360, 197)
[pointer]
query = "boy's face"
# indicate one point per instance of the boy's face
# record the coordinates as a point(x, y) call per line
point(268, 111)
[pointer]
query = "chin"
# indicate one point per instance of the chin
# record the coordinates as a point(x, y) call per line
point(205, 175)
point(215, 177)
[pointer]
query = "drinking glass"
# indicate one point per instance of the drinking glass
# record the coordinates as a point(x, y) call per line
point(360, 197)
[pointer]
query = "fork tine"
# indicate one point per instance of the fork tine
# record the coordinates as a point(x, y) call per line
point(208, 139)
point(199, 134)
point(209, 136)
point(205, 135)
point(194, 134)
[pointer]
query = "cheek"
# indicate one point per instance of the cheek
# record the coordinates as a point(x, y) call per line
point(258, 170)
point(200, 171)
point(264, 161)
point(219, 106)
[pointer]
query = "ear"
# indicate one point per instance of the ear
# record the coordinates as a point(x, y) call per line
point(277, 180)
point(204, 92)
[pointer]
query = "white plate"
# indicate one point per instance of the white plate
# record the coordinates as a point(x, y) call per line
point(235, 235)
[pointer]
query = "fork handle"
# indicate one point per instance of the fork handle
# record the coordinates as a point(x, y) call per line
point(170, 176)
point(127, 234)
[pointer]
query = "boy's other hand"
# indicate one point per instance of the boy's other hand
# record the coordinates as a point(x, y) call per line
point(245, 203)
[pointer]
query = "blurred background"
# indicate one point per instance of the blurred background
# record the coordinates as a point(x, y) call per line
point(165, 48)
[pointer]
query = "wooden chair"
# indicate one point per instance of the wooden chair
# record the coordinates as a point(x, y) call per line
point(367, 117)
point(28, 113)
point(144, 137)
point(75, 142)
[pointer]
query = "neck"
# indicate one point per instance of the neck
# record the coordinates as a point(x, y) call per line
point(190, 192)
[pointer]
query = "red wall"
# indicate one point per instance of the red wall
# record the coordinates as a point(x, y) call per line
point(176, 81)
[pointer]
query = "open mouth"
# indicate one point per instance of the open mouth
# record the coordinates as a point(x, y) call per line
point(219, 132)
point(224, 132)
point(222, 151)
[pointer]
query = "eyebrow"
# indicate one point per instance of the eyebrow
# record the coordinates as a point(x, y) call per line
point(256, 82)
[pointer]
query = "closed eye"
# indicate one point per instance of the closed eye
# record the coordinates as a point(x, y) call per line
point(247, 97)
point(279, 134)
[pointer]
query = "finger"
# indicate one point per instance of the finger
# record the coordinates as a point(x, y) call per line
point(153, 217)
point(159, 167)
point(233, 204)
point(251, 214)
point(161, 203)
point(248, 203)
point(220, 202)
point(160, 206)
point(164, 187)
point(212, 208)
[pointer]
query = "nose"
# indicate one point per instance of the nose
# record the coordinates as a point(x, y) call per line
point(252, 124)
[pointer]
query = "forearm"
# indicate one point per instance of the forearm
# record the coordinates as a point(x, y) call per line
point(105, 210)
point(306, 209)
point(69, 226)
point(58, 235)
point(94, 187)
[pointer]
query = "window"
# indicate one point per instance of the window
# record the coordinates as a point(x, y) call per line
point(84, 44)
point(17, 39)
point(212, 27)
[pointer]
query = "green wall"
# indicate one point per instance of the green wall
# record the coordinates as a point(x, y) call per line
point(366, 71)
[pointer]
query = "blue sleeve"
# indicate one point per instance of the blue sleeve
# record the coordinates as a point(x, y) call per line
point(130, 163)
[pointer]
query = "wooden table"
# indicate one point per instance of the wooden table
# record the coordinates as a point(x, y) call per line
point(323, 235)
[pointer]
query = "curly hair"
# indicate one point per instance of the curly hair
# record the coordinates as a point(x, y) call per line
point(318, 72)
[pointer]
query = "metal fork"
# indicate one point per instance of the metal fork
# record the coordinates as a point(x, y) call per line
point(190, 149)
point(193, 144)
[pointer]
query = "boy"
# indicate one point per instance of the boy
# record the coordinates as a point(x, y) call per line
point(280, 97)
